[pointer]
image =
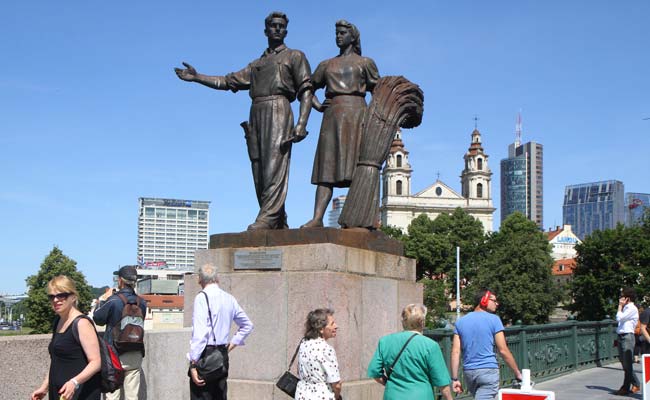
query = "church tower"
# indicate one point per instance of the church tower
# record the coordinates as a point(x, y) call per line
point(477, 176)
point(397, 171)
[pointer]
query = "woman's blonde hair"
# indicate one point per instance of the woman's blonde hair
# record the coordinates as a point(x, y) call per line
point(413, 317)
point(63, 284)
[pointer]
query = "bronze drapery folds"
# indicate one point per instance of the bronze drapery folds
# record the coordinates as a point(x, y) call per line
point(396, 102)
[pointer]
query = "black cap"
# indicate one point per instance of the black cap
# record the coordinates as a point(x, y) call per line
point(127, 272)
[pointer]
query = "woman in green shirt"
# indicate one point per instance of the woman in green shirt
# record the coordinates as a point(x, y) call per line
point(419, 368)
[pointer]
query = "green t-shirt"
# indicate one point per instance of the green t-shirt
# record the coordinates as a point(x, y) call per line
point(419, 369)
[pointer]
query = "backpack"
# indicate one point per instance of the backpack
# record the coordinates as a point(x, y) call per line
point(128, 332)
point(112, 373)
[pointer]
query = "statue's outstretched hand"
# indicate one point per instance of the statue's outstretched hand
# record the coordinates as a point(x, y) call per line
point(188, 74)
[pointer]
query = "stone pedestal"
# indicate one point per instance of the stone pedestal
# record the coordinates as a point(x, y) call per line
point(366, 288)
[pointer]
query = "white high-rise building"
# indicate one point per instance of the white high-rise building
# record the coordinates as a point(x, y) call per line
point(170, 230)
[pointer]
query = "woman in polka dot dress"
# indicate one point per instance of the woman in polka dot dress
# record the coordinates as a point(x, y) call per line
point(318, 368)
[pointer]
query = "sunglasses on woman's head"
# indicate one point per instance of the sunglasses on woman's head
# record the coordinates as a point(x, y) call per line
point(58, 296)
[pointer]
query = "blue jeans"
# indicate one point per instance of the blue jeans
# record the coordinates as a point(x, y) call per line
point(626, 355)
point(482, 383)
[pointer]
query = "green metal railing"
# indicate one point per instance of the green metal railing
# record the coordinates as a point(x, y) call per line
point(549, 350)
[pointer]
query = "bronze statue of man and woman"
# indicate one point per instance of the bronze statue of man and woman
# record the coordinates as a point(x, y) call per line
point(282, 75)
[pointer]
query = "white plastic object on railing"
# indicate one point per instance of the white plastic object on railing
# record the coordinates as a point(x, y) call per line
point(526, 392)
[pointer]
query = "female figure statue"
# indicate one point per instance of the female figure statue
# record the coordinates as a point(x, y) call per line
point(346, 77)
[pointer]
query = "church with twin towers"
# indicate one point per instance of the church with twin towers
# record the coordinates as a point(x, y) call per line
point(399, 207)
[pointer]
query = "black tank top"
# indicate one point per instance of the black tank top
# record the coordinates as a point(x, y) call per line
point(67, 360)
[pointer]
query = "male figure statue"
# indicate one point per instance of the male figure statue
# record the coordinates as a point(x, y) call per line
point(477, 333)
point(274, 80)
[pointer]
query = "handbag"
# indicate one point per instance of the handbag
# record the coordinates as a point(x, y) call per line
point(385, 373)
point(288, 381)
point(211, 366)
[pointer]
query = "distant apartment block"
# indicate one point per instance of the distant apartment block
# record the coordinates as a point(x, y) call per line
point(593, 206)
point(170, 230)
point(635, 206)
point(522, 182)
point(334, 214)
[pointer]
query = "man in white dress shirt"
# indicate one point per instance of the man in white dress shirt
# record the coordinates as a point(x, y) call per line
point(209, 337)
point(627, 317)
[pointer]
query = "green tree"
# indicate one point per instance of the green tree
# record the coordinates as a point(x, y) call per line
point(40, 314)
point(435, 298)
point(433, 244)
point(607, 261)
point(518, 269)
point(393, 231)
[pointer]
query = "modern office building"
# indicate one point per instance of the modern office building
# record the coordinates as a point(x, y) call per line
point(399, 207)
point(522, 180)
point(593, 206)
point(170, 230)
point(334, 214)
point(635, 206)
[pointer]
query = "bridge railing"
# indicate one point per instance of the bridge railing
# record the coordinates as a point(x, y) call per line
point(549, 350)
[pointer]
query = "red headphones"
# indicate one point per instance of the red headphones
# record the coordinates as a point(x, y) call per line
point(485, 299)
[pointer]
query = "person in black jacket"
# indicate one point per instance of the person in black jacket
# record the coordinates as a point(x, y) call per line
point(109, 313)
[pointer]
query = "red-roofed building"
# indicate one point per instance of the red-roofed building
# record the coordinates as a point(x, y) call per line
point(562, 270)
point(164, 311)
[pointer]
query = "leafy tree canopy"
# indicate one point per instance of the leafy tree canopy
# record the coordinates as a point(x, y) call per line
point(433, 244)
point(608, 261)
point(518, 269)
point(40, 314)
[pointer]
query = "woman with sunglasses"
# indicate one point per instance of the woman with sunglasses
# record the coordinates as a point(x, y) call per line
point(74, 361)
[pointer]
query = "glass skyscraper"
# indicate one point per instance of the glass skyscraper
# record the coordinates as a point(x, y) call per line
point(522, 182)
point(635, 206)
point(170, 230)
point(593, 206)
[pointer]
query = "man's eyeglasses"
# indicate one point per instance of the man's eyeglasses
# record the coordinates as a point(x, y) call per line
point(58, 296)
point(494, 299)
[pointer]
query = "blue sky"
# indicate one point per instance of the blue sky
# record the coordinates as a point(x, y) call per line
point(92, 116)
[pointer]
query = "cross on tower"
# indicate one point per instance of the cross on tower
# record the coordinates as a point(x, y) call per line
point(476, 118)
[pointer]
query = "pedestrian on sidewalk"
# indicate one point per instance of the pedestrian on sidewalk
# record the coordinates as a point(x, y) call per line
point(214, 312)
point(627, 317)
point(476, 334)
point(118, 323)
point(409, 364)
point(644, 320)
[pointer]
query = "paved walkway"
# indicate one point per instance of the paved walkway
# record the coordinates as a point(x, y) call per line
point(591, 384)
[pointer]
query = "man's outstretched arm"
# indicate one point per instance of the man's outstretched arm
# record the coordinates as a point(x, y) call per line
point(189, 74)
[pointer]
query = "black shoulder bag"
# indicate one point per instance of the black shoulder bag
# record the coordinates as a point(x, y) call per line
point(210, 366)
point(385, 374)
point(288, 381)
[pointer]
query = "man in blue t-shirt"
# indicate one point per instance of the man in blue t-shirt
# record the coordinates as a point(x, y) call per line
point(477, 333)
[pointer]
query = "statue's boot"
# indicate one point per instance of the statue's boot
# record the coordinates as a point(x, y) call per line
point(259, 225)
point(314, 223)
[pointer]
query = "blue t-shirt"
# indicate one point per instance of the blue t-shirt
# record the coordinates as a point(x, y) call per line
point(476, 331)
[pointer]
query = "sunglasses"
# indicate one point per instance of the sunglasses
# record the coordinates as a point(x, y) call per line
point(58, 296)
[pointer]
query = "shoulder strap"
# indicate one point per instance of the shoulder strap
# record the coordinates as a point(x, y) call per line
point(75, 329)
point(390, 370)
point(295, 354)
point(210, 315)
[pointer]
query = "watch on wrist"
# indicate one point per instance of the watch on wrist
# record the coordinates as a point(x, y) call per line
point(76, 384)
point(454, 379)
